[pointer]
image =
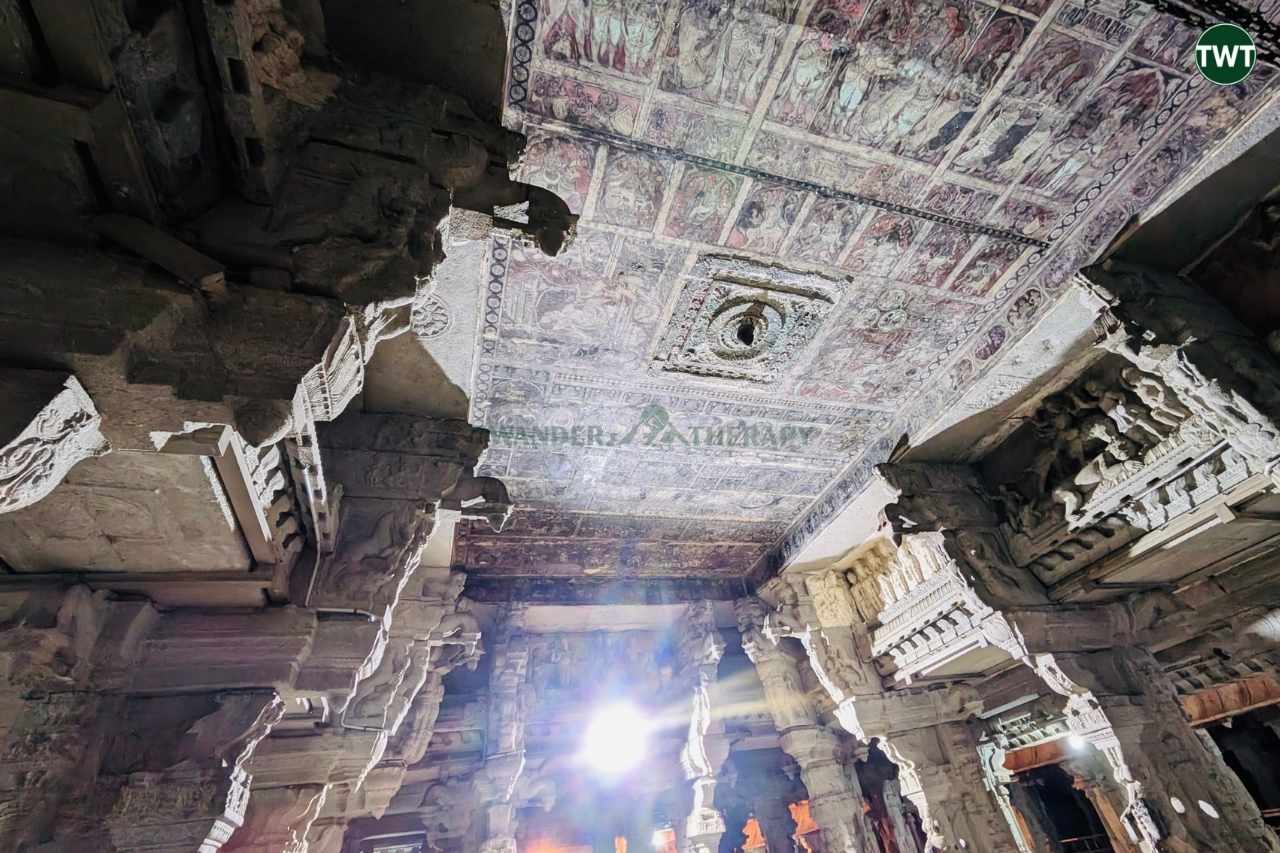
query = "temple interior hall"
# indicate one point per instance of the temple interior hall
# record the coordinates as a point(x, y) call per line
point(640, 426)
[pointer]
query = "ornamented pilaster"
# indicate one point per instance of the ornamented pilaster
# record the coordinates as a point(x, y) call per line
point(48, 424)
point(510, 697)
point(706, 748)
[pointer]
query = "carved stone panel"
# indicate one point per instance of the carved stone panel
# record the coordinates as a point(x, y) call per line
point(738, 319)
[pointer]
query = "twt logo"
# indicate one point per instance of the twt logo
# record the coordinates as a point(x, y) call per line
point(1225, 54)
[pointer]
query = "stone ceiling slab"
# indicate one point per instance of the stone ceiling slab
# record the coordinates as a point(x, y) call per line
point(950, 163)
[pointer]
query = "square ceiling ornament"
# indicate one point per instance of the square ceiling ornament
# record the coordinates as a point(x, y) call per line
point(740, 319)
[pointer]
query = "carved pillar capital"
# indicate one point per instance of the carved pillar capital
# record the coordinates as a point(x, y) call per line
point(952, 500)
point(751, 614)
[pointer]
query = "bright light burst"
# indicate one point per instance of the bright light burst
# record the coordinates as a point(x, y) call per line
point(616, 739)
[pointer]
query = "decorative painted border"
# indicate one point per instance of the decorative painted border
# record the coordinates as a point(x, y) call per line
point(617, 141)
point(524, 30)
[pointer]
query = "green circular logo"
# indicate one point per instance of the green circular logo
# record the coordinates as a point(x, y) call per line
point(1225, 54)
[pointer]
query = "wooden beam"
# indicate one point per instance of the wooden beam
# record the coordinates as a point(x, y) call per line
point(1037, 755)
point(1228, 700)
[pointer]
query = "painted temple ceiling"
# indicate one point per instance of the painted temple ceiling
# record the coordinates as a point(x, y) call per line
point(909, 184)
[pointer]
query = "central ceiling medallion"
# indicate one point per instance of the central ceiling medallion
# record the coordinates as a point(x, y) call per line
point(739, 319)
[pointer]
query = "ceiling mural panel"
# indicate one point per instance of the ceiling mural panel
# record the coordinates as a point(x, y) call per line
point(946, 165)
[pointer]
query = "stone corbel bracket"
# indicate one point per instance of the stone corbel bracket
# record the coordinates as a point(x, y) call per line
point(49, 424)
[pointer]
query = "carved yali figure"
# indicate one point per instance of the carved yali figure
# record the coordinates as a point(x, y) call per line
point(1160, 402)
point(63, 433)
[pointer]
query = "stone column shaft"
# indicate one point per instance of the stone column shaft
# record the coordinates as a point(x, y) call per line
point(837, 808)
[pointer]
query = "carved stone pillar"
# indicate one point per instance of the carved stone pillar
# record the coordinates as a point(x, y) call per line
point(941, 773)
point(837, 806)
point(342, 750)
point(93, 755)
point(922, 731)
point(510, 698)
point(48, 424)
point(188, 786)
point(706, 748)
point(1179, 793)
